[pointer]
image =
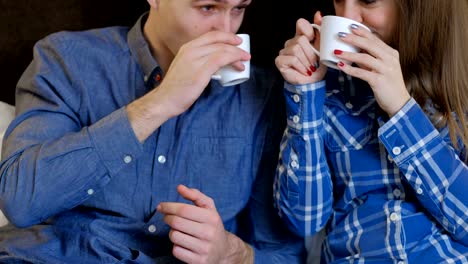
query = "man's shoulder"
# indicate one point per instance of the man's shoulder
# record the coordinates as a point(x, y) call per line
point(109, 39)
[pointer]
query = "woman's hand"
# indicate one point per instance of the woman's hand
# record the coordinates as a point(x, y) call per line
point(297, 61)
point(379, 65)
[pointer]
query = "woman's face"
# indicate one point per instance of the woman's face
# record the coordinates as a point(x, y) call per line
point(379, 15)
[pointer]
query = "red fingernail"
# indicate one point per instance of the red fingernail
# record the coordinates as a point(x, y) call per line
point(312, 68)
point(340, 64)
point(338, 52)
point(309, 73)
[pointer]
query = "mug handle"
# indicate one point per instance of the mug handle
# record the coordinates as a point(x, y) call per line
point(313, 48)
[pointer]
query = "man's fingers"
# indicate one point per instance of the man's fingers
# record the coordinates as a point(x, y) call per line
point(188, 211)
point(189, 227)
point(216, 37)
point(186, 241)
point(185, 255)
point(197, 197)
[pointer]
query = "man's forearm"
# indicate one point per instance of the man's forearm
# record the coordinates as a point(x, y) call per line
point(147, 114)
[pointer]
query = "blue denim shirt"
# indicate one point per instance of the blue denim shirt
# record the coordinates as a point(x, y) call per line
point(82, 189)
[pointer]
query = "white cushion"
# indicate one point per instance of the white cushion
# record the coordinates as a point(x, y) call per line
point(7, 112)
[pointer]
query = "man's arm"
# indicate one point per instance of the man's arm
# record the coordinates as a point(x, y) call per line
point(54, 162)
point(187, 77)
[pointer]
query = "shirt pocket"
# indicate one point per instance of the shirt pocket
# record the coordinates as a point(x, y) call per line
point(417, 228)
point(346, 132)
point(223, 167)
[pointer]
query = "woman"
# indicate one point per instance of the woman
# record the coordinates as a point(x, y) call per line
point(375, 152)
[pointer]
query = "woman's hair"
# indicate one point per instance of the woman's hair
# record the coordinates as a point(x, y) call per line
point(432, 39)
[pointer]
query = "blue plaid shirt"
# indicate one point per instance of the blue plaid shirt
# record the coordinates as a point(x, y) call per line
point(386, 190)
point(85, 190)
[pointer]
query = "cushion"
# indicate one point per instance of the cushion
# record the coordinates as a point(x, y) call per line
point(7, 112)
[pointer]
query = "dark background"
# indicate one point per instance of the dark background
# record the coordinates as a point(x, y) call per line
point(269, 22)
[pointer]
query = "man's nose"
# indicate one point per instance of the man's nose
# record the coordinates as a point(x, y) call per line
point(224, 22)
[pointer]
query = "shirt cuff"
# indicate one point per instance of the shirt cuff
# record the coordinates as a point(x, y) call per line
point(407, 132)
point(115, 141)
point(304, 106)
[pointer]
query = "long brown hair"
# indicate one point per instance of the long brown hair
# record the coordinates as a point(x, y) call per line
point(432, 39)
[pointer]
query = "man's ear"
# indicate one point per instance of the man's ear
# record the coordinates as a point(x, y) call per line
point(153, 3)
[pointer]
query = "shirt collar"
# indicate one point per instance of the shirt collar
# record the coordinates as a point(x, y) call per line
point(139, 47)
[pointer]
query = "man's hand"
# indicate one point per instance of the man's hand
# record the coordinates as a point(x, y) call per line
point(198, 233)
point(188, 75)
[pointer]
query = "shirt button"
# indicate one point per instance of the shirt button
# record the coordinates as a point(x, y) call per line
point(397, 193)
point(296, 119)
point(393, 217)
point(445, 222)
point(418, 181)
point(294, 164)
point(127, 159)
point(294, 156)
point(389, 158)
point(419, 191)
point(396, 150)
point(296, 98)
point(152, 228)
point(162, 159)
point(349, 105)
point(90, 191)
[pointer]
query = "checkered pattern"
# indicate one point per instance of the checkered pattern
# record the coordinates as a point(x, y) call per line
point(386, 190)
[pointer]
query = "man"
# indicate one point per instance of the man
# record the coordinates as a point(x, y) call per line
point(123, 150)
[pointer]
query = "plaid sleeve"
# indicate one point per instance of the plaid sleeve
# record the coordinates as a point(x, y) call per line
point(303, 186)
point(430, 166)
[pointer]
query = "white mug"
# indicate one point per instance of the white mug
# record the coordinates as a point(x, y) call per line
point(330, 40)
point(228, 75)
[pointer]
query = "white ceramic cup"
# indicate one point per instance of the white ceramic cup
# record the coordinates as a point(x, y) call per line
point(330, 40)
point(228, 75)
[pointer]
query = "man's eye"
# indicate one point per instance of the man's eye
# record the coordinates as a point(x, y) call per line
point(207, 8)
point(241, 8)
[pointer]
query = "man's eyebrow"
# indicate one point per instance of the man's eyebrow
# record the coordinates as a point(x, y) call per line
point(225, 1)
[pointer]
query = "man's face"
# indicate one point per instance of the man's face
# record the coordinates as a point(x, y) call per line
point(180, 21)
